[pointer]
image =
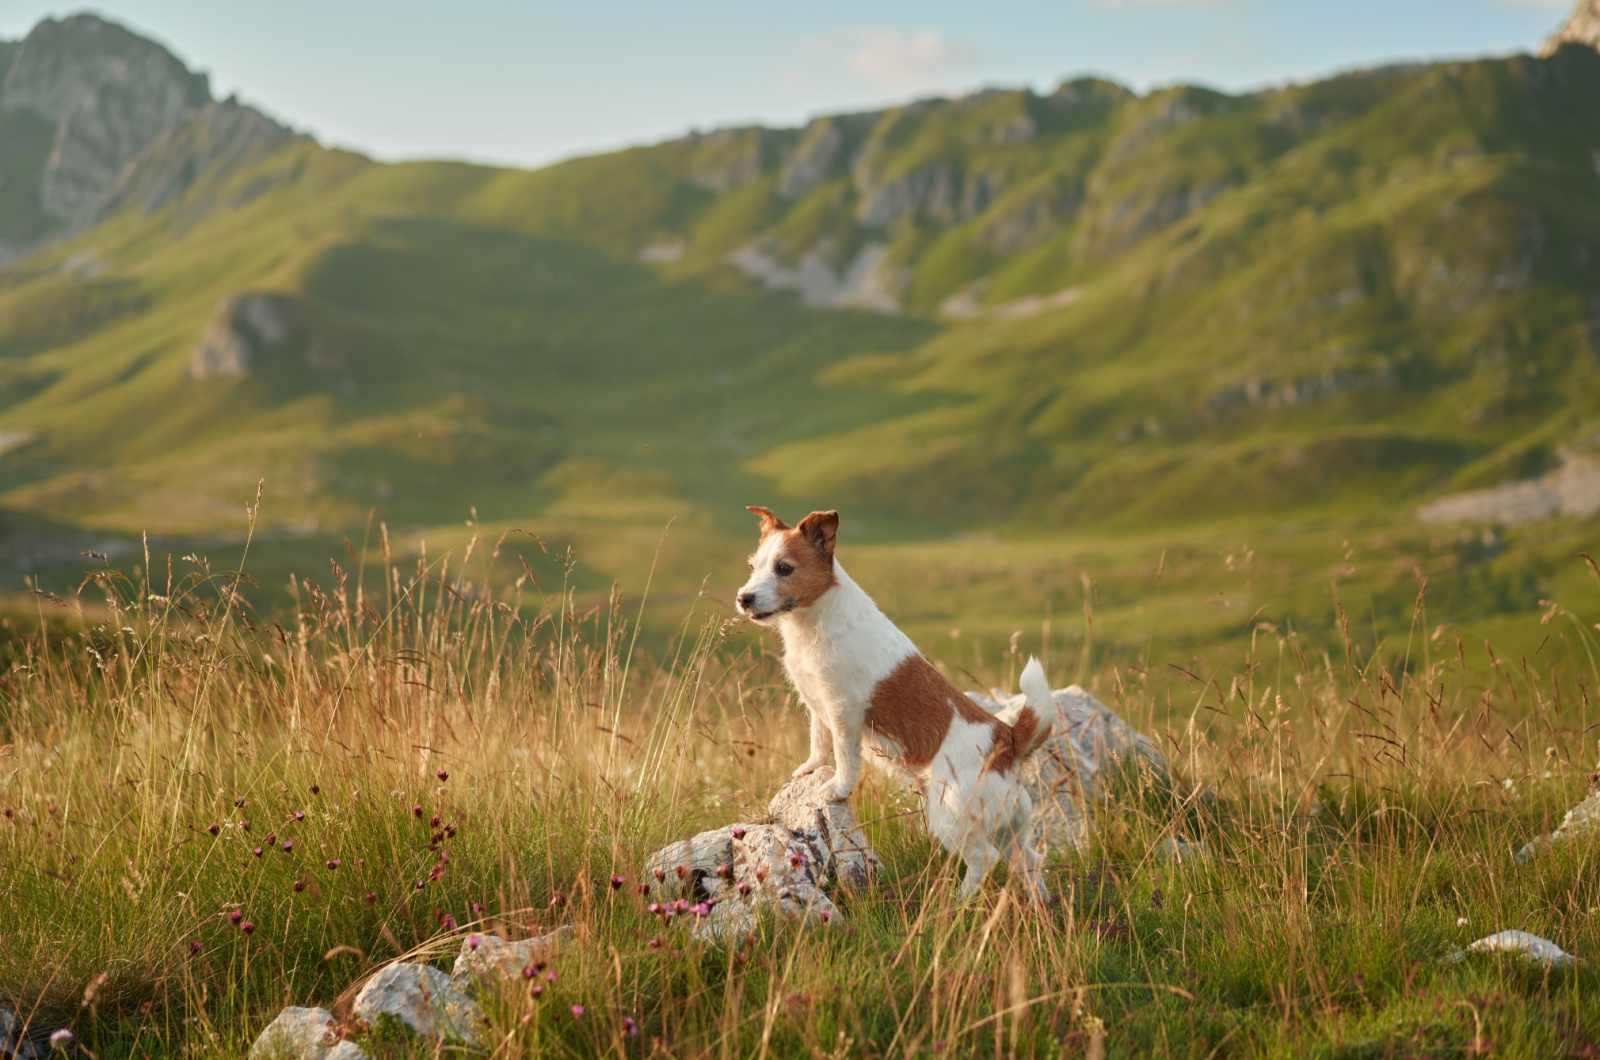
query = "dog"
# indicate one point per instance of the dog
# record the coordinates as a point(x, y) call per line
point(865, 684)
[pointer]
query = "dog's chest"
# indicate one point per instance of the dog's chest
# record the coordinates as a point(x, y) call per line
point(840, 669)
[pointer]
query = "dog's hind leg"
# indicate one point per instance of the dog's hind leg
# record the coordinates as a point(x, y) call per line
point(1027, 864)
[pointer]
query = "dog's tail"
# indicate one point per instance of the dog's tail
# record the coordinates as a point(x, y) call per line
point(1028, 728)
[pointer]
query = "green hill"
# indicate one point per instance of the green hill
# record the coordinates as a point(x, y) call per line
point(1093, 318)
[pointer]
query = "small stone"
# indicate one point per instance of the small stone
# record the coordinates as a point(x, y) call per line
point(303, 1034)
point(421, 998)
point(495, 957)
point(1581, 822)
point(697, 857)
point(1518, 943)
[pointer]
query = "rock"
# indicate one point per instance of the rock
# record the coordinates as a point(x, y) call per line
point(303, 1034)
point(828, 828)
point(423, 999)
point(1572, 490)
point(689, 868)
point(1518, 943)
point(13, 1044)
point(867, 281)
point(244, 327)
point(1581, 822)
point(772, 869)
point(1581, 27)
point(493, 956)
point(109, 94)
point(814, 158)
point(1088, 744)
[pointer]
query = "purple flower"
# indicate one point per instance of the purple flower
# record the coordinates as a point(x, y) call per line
point(235, 916)
point(738, 832)
point(550, 976)
point(334, 863)
point(528, 971)
point(558, 900)
point(743, 887)
point(416, 811)
point(617, 881)
point(195, 947)
point(476, 908)
point(315, 789)
point(299, 815)
point(256, 852)
point(299, 885)
point(60, 1039)
point(288, 845)
point(631, 1027)
point(535, 990)
point(247, 927)
point(474, 941)
point(370, 897)
point(577, 1010)
point(442, 775)
point(659, 875)
point(213, 829)
point(725, 871)
point(655, 943)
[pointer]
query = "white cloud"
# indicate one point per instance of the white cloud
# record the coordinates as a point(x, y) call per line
point(883, 60)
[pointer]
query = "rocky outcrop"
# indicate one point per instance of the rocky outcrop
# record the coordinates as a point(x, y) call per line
point(868, 281)
point(109, 93)
point(485, 957)
point(199, 155)
point(814, 158)
point(730, 877)
point(422, 999)
point(245, 327)
point(14, 1043)
point(304, 1034)
point(1581, 27)
point(1582, 822)
point(1573, 490)
point(1518, 944)
point(727, 159)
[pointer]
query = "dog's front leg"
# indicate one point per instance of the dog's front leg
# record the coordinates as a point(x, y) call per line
point(821, 743)
point(846, 725)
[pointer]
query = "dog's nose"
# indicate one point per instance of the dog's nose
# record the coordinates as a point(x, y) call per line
point(747, 601)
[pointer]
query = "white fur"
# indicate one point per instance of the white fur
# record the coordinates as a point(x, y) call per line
point(836, 652)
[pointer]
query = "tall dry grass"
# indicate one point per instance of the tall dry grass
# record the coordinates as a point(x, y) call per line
point(406, 759)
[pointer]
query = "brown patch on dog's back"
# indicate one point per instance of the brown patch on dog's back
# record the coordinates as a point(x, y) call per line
point(913, 707)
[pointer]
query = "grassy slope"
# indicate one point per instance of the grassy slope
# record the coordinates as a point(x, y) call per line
point(1408, 251)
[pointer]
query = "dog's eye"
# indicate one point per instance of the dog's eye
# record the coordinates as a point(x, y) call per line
point(783, 569)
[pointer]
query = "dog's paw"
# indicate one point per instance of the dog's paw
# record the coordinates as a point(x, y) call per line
point(806, 769)
point(836, 792)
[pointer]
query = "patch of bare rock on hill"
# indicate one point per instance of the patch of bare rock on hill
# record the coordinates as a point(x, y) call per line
point(1581, 27)
point(1573, 489)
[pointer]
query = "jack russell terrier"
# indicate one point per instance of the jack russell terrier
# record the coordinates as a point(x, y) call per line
point(865, 682)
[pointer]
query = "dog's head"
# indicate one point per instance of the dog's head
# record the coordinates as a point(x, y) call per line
point(792, 566)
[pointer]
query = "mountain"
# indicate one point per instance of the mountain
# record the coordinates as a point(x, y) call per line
point(1020, 312)
point(1582, 27)
point(80, 101)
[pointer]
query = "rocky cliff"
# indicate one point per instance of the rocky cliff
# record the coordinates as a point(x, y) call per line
point(82, 103)
point(1581, 27)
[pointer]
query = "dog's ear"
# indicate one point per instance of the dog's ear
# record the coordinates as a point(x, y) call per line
point(821, 529)
point(769, 523)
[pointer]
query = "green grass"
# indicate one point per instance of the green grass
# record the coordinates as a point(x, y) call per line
point(1341, 861)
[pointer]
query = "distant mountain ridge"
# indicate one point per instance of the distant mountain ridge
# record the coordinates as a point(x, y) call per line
point(1079, 307)
point(81, 101)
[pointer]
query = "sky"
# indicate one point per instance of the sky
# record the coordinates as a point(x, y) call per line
point(531, 82)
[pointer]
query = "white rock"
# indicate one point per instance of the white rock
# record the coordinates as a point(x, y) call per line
point(494, 957)
point(689, 867)
point(1173, 849)
point(303, 1034)
point(422, 998)
point(1518, 943)
point(1581, 822)
point(827, 827)
point(1088, 743)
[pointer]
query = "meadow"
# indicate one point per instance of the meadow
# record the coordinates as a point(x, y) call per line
point(214, 808)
